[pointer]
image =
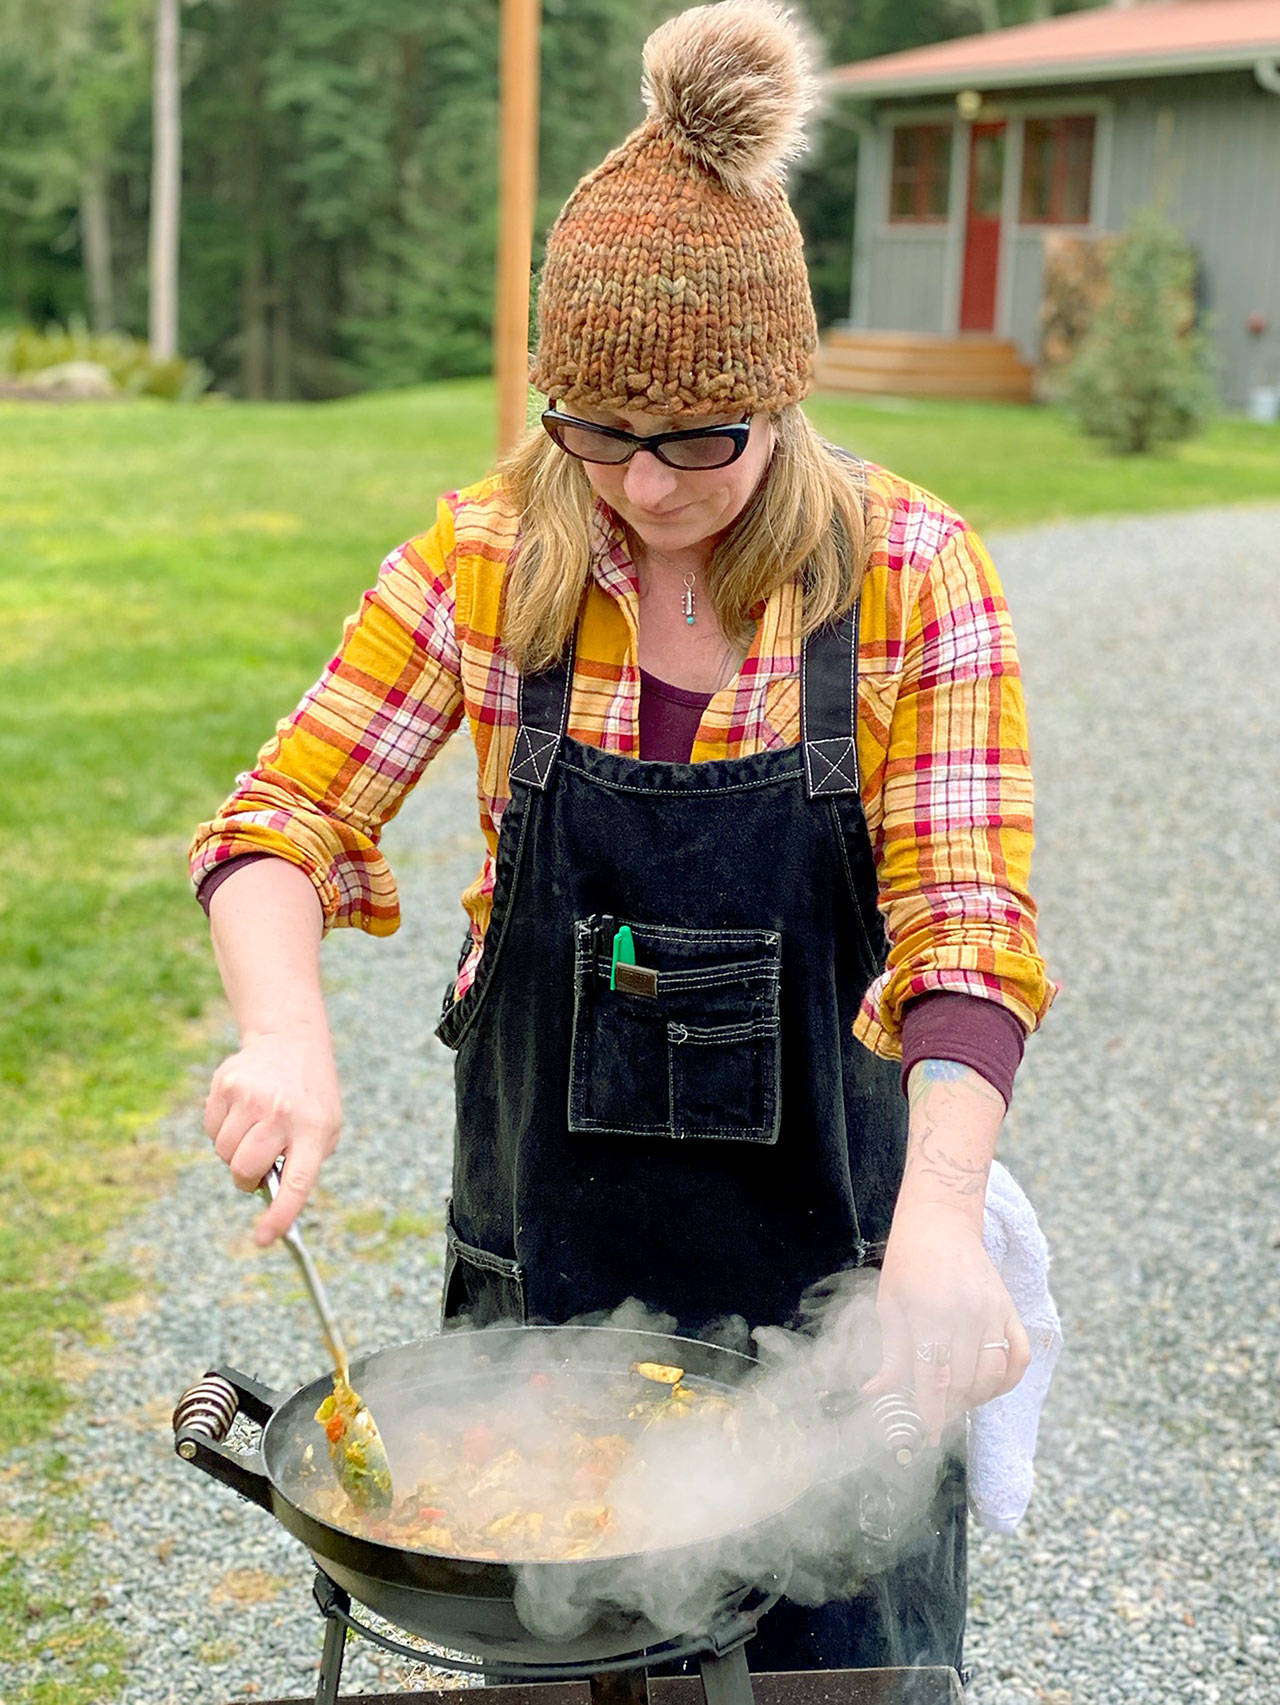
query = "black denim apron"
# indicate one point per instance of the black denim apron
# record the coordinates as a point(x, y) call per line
point(698, 1129)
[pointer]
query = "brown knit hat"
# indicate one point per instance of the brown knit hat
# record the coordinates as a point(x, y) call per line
point(674, 279)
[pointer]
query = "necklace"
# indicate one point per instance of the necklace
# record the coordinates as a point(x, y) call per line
point(686, 598)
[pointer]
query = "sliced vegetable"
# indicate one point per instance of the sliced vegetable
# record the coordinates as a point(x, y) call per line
point(355, 1448)
point(659, 1372)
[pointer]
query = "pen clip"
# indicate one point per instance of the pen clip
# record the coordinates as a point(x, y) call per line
point(624, 953)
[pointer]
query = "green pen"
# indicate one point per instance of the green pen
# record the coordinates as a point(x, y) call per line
point(624, 953)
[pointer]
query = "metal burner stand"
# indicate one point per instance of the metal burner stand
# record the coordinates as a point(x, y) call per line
point(723, 1677)
point(720, 1651)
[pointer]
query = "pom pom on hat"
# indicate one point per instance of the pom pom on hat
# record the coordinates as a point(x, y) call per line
point(674, 279)
point(731, 85)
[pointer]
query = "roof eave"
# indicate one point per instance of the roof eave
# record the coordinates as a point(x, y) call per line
point(1061, 71)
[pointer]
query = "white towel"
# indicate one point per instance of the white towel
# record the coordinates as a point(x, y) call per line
point(1002, 1433)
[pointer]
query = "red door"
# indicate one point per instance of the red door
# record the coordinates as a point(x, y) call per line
point(982, 228)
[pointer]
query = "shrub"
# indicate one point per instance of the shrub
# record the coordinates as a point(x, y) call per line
point(1142, 378)
point(128, 360)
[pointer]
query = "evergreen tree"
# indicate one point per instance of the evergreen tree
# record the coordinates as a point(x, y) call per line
point(72, 74)
point(1141, 378)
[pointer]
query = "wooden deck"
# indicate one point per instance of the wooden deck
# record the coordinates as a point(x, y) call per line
point(909, 364)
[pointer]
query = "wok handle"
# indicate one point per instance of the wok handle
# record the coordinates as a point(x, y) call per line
point(203, 1418)
point(895, 1422)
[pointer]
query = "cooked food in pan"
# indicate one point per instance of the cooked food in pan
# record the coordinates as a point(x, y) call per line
point(658, 1371)
point(532, 1467)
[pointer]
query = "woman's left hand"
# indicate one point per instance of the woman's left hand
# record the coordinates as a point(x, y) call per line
point(950, 1335)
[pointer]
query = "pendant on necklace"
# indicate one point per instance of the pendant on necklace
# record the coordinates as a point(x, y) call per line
point(686, 598)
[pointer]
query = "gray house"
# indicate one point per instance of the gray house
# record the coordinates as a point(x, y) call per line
point(978, 156)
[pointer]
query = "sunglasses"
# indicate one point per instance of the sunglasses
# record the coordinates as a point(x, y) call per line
point(703, 447)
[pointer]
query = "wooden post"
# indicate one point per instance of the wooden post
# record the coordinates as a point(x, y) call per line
point(166, 185)
point(517, 182)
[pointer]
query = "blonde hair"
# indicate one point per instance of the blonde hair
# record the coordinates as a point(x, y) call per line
point(805, 519)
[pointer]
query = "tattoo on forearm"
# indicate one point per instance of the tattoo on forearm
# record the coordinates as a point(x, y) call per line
point(929, 1073)
point(942, 1071)
point(928, 1156)
point(933, 1089)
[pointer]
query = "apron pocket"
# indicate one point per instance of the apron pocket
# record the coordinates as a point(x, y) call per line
point(480, 1288)
point(687, 1045)
point(724, 1080)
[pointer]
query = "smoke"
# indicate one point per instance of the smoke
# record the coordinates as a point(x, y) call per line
point(810, 1491)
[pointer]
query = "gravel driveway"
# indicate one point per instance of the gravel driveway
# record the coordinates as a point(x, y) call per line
point(1144, 1128)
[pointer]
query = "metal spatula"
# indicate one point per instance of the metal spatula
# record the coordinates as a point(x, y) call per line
point(356, 1450)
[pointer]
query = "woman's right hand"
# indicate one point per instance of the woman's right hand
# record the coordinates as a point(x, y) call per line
point(277, 1097)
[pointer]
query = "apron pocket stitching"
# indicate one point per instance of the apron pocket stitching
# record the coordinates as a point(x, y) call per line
point(719, 977)
point(704, 1035)
point(460, 1301)
point(753, 938)
point(503, 1265)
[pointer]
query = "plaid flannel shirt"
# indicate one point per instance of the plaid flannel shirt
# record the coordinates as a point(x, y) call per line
point(946, 783)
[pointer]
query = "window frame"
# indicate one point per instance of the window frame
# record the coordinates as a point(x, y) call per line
point(1060, 126)
point(935, 166)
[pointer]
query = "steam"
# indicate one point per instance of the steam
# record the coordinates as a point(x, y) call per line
point(805, 1494)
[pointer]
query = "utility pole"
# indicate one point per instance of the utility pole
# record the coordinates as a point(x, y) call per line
point(517, 185)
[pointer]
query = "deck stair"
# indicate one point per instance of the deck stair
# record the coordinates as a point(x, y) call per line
point(917, 364)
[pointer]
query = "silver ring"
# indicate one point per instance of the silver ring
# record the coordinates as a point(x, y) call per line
point(934, 1355)
point(998, 1344)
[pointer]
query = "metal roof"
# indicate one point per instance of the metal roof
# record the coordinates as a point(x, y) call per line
point(1157, 38)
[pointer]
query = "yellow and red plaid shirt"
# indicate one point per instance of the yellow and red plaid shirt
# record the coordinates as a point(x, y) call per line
point(942, 739)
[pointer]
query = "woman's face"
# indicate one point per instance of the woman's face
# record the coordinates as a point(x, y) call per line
point(672, 510)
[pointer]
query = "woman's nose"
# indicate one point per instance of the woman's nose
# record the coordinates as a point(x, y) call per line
point(647, 481)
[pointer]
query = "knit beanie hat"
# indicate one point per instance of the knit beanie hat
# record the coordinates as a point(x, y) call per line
point(674, 280)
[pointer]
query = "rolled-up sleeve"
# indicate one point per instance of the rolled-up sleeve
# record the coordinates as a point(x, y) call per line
point(954, 852)
point(338, 769)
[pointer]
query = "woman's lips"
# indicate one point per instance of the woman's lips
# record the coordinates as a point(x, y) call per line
point(664, 515)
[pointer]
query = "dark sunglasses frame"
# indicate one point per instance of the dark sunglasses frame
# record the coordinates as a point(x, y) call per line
point(736, 434)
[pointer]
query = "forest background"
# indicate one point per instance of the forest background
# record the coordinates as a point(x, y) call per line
point(339, 176)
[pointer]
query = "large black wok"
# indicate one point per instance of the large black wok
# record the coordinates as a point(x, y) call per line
point(466, 1604)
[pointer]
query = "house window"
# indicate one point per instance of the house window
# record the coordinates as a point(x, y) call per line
point(1057, 170)
point(921, 179)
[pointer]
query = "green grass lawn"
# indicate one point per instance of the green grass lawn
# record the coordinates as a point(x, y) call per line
point(173, 578)
point(1006, 466)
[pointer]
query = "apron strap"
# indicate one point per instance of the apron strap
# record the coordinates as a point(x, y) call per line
point(544, 716)
point(829, 707)
point(828, 712)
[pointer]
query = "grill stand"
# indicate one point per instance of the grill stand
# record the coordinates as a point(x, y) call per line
point(335, 1646)
point(721, 1655)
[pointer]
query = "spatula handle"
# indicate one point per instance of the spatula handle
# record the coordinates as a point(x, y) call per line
point(310, 1277)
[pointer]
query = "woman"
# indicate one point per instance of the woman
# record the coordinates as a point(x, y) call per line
point(735, 697)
